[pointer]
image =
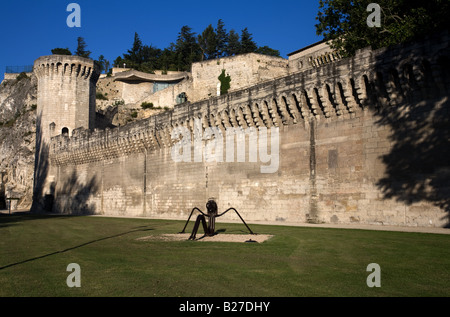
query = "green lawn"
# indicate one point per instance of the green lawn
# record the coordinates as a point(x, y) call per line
point(298, 261)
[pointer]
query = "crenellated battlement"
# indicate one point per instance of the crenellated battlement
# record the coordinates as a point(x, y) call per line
point(66, 93)
point(66, 66)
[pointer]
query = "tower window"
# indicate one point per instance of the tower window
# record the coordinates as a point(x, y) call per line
point(65, 131)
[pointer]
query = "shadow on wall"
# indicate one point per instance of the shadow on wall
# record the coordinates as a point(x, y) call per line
point(73, 196)
point(415, 99)
point(40, 202)
point(2, 194)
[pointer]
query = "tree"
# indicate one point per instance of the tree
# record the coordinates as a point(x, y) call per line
point(119, 61)
point(221, 38)
point(247, 43)
point(208, 43)
point(133, 57)
point(140, 57)
point(103, 64)
point(61, 51)
point(168, 58)
point(233, 46)
point(268, 51)
point(149, 57)
point(344, 23)
point(190, 48)
point(187, 49)
point(81, 48)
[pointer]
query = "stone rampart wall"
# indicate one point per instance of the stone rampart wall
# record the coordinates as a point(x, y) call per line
point(12, 76)
point(339, 146)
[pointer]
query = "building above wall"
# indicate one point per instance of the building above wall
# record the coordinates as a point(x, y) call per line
point(135, 75)
point(163, 89)
point(135, 85)
point(312, 56)
point(244, 70)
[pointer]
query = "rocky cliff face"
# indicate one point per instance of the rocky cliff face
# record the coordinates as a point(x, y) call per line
point(17, 140)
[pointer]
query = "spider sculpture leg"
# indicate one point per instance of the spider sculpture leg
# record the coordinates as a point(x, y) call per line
point(187, 222)
point(211, 226)
point(200, 218)
point(223, 213)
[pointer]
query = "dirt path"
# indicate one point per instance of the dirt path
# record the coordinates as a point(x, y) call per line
point(249, 238)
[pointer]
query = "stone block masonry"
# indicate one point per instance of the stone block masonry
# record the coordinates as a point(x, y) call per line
point(66, 93)
point(65, 101)
point(358, 143)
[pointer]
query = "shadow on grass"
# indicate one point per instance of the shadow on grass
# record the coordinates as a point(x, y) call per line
point(18, 217)
point(140, 228)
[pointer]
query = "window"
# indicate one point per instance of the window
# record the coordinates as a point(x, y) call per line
point(157, 86)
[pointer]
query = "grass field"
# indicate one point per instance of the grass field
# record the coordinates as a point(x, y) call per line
point(35, 251)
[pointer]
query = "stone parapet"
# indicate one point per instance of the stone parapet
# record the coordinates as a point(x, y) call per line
point(65, 65)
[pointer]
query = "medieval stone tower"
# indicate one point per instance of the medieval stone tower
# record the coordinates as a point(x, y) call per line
point(65, 101)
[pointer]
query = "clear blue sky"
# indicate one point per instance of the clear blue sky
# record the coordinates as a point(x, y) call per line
point(31, 28)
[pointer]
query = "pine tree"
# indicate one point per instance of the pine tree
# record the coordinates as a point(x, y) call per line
point(119, 61)
point(247, 43)
point(81, 48)
point(168, 58)
point(208, 43)
point(103, 64)
point(135, 52)
point(233, 45)
point(187, 49)
point(222, 39)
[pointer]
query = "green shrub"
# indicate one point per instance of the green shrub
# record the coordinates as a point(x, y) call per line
point(224, 82)
point(100, 96)
point(134, 114)
point(147, 105)
point(21, 76)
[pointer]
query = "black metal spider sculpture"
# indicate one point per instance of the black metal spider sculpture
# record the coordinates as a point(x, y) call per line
point(212, 214)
